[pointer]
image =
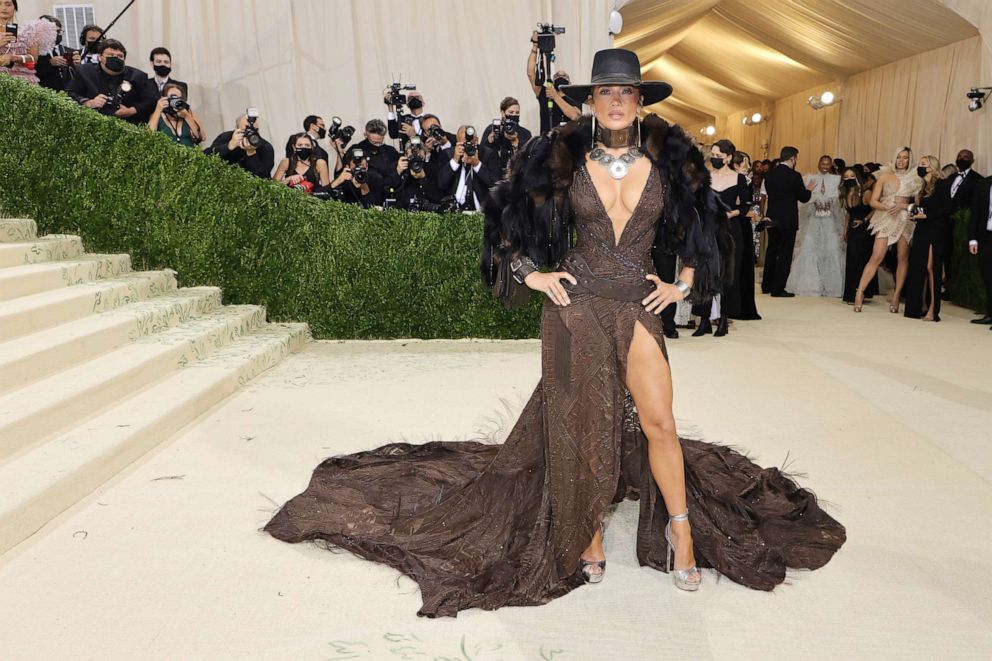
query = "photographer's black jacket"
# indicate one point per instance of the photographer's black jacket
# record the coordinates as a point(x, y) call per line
point(91, 81)
point(260, 164)
point(349, 193)
point(52, 77)
point(382, 160)
point(503, 147)
point(483, 180)
point(411, 189)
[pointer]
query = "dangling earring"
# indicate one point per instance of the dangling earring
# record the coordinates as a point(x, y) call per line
point(638, 133)
point(594, 130)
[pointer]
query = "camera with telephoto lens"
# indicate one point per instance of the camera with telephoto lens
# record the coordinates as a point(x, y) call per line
point(546, 36)
point(437, 133)
point(420, 204)
point(251, 131)
point(359, 173)
point(339, 132)
point(471, 149)
point(510, 125)
point(415, 161)
point(176, 104)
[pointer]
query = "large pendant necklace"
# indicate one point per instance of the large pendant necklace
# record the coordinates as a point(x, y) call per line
point(617, 166)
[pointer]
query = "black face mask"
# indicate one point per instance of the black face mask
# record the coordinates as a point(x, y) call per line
point(717, 163)
point(304, 153)
point(560, 81)
point(162, 71)
point(921, 172)
point(321, 134)
point(515, 118)
point(850, 183)
point(415, 103)
point(963, 164)
point(115, 65)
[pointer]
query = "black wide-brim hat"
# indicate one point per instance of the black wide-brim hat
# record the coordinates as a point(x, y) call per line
point(618, 66)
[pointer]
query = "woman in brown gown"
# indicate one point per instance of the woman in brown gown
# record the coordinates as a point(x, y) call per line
point(481, 525)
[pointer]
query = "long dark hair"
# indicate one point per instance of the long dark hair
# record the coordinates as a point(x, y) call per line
point(853, 196)
point(294, 160)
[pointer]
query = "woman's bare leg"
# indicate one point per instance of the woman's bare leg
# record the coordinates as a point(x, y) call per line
point(649, 381)
point(878, 251)
point(933, 286)
point(902, 267)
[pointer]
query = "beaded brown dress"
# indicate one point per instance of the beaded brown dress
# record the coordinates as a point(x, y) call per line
point(482, 525)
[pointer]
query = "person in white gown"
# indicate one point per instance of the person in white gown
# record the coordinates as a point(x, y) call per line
point(818, 265)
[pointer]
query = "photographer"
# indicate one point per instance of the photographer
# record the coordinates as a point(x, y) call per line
point(357, 184)
point(505, 135)
point(403, 126)
point(56, 68)
point(382, 158)
point(173, 117)
point(472, 170)
point(304, 169)
point(554, 107)
point(417, 190)
point(113, 88)
point(245, 148)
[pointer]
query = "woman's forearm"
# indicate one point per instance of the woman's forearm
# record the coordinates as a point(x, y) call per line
point(687, 274)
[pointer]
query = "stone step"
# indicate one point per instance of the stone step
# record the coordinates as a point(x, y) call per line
point(31, 314)
point(35, 356)
point(40, 484)
point(51, 248)
point(34, 278)
point(31, 413)
point(14, 230)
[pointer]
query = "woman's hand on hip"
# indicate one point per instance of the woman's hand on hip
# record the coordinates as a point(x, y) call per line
point(664, 295)
point(550, 284)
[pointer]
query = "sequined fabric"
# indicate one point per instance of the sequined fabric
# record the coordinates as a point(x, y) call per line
point(480, 525)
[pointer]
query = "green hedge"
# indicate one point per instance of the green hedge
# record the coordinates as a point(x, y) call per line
point(349, 272)
point(967, 289)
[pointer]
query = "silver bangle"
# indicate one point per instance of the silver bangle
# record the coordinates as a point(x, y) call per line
point(683, 287)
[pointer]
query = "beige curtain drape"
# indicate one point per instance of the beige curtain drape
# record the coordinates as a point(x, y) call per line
point(294, 58)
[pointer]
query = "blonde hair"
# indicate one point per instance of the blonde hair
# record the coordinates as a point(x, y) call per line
point(934, 164)
point(895, 158)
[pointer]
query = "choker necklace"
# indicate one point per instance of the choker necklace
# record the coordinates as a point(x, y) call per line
point(627, 137)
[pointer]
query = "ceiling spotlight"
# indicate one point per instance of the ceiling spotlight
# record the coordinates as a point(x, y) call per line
point(822, 101)
point(976, 97)
point(709, 130)
point(756, 118)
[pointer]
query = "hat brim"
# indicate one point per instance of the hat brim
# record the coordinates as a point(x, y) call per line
point(653, 91)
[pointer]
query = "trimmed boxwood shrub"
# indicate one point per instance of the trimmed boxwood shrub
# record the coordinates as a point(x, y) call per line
point(351, 273)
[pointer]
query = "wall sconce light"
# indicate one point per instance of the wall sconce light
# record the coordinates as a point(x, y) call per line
point(976, 97)
point(756, 118)
point(822, 101)
point(708, 130)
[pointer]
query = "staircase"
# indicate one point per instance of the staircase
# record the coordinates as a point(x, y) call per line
point(99, 364)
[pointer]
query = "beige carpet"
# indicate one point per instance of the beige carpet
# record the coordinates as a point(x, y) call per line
point(890, 418)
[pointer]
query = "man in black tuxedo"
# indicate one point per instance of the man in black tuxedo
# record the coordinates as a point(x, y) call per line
point(56, 68)
point(113, 88)
point(472, 170)
point(785, 190)
point(980, 240)
point(161, 63)
point(963, 186)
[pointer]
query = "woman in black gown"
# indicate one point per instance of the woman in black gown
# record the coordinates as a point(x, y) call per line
point(735, 195)
point(482, 525)
point(749, 215)
point(926, 251)
point(855, 193)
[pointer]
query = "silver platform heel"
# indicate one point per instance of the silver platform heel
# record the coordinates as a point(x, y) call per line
point(584, 565)
point(681, 576)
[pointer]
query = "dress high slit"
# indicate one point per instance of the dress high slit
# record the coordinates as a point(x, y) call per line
point(481, 525)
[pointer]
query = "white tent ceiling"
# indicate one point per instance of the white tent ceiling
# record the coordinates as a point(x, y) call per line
point(723, 56)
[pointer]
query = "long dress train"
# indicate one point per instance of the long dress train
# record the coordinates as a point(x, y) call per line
point(480, 525)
